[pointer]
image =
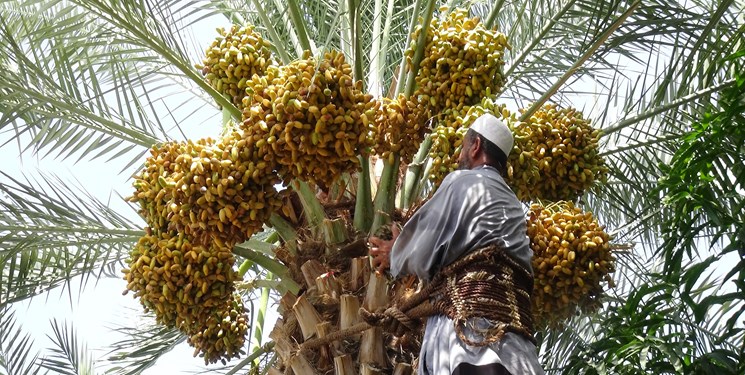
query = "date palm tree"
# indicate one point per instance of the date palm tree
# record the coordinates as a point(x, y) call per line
point(93, 82)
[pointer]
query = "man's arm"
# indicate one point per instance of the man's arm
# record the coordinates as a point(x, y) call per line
point(381, 249)
point(428, 237)
point(416, 240)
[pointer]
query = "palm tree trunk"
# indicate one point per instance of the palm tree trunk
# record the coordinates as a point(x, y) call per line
point(335, 282)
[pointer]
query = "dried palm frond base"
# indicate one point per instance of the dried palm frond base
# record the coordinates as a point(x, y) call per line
point(336, 283)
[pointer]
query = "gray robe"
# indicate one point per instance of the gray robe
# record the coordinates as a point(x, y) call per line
point(471, 209)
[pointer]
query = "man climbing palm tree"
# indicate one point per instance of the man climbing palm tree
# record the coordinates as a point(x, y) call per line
point(472, 210)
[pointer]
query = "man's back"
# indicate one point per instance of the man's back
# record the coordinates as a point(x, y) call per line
point(471, 210)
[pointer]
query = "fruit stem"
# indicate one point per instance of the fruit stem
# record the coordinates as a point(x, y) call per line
point(420, 46)
point(354, 21)
point(423, 179)
point(269, 264)
point(260, 318)
point(402, 67)
point(363, 208)
point(334, 231)
point(285, 231)
point(297, 21)
point(244, 267)
point(414, 172)
point(377, 59)
point(314, 212)
point(385, 197)
point(492, 17)
point(227, 123)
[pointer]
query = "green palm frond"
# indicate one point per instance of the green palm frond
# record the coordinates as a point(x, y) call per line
point(69, 356)
point(674, 310)
point(77, 83)
point(542, 53)
point(649, 332)
point(325, 25)
point(157, 27)
point(374, 82)
point(47, 57)
point(52, 232)
point(16, 356)
point(84, 79)
point(636, 161)
point(142, 347)
point(398, 34)
point(644, 326)
point(644, 137)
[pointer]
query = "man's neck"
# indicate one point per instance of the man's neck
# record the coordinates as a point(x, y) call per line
point(486, 166)
point(480, 166)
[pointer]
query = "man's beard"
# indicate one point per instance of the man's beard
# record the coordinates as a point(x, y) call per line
point(464, 163)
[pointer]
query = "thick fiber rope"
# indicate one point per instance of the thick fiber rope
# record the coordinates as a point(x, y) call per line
point(372, 320)
point(486, 283)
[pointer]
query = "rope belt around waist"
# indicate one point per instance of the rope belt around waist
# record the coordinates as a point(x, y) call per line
point(488, 284)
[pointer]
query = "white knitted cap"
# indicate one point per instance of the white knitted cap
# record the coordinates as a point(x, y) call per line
point(495, 131)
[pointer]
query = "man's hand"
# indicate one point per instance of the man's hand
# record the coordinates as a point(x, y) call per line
point(380, 249)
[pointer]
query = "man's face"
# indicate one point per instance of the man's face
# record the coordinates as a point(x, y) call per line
point(464, 160)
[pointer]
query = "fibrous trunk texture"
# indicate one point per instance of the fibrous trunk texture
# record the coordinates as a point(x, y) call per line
point(335, 284)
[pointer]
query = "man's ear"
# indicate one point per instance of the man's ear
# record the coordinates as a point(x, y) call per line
point(477, 146)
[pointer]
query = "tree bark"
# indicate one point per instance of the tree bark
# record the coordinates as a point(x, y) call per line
point(311, 270)
point(307, 316)
point(301, 366)
point(360, 272)
point(343, 365)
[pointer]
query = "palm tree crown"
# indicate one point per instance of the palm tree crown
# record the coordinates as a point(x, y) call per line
point(92, 81)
